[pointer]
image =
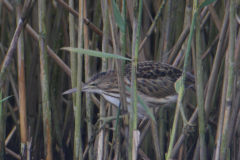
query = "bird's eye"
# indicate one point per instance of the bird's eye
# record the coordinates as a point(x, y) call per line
point(93, 84)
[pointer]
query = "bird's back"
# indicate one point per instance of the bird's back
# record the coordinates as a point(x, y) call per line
point(157, 79)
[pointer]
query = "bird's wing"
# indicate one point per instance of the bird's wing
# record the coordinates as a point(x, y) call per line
point(156, 79)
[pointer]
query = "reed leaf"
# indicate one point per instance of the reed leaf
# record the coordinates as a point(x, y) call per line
point(177, 84)
point(4, 99)
point(118, 17)
point(205, 3)
point(95, 53)
point(144, 105)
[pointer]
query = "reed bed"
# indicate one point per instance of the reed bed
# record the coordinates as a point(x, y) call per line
point(38, 122)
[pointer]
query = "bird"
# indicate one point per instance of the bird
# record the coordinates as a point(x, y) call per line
point(155, 84)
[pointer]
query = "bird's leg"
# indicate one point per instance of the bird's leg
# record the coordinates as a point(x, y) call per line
point(187, 127)
point(105, 120)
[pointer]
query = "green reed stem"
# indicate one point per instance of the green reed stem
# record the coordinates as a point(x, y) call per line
point(135, 64)
point(200, 87)
point(47, 122)
point(182, 87)
point(78, 150)
point(228, 106)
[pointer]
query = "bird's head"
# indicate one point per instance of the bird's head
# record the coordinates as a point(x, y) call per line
point(97, 84)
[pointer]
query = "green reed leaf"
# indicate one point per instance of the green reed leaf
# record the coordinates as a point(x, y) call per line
point(95, 53)
point(118, 17)
point(205, 3)
point(144, 105)
point(4, 99)
point(177, 84)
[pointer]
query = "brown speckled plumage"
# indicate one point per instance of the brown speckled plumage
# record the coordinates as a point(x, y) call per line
point(155, 83)
point(157, 79)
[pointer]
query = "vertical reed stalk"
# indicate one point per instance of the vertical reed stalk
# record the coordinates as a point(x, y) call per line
point(116, 44)
point(216, 65)
point(223, 41)
point(137, 14)
point(78, 150)
point(199, 85)
point(73, 56)
point(3, 111)
point(123, 51)
point(1, 4)
point(97, 21)
point(22, 89)
point(222, 109)
point(123, 34)
point(229, 97)
point(182, 87)
point(89, 104)
point(137, 17)
point(120, 74)
point(56, 81)
point(103, 142)
point(47, 124)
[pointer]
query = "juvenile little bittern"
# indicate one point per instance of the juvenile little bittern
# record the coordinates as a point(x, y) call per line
point(155, 84)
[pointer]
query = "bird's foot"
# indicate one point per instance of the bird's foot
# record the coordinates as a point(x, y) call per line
point(98, 128)
point(105, 120)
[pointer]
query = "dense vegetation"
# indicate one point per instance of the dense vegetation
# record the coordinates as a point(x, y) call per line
point(39, 122)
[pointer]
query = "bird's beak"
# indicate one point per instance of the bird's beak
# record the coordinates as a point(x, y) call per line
point(84, 88)
point(70, 91)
